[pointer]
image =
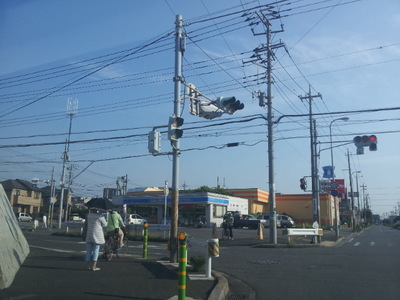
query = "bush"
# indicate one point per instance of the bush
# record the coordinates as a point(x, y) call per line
point(198, 262)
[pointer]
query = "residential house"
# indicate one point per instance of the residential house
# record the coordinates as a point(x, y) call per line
point(23, 195)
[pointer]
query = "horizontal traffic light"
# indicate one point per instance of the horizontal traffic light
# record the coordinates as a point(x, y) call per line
point(229, 104)
point(365, 141)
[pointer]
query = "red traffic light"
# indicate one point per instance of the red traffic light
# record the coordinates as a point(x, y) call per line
point(373, 141)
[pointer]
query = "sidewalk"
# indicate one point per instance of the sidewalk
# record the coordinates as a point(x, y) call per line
point(49, 274)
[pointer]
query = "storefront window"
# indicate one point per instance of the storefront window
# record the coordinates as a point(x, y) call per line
point(219, 211)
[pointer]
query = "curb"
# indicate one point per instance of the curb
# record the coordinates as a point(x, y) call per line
point(221, 289)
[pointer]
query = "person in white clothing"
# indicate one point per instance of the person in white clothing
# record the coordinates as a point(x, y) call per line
point(94, 237)
point(44, 221)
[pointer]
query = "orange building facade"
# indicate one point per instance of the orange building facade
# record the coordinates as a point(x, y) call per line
point(258, 199)
point(298, 206)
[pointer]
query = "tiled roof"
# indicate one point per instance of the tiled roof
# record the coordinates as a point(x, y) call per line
point(18, 184)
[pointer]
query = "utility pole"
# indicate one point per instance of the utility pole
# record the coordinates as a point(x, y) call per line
point(358, 197)
point(69, 168)
point(269, 48)
point(72, 106)
point(351, 192)
point(363, 200)
point(314, 168)
point(179, 49)
point(52, 198)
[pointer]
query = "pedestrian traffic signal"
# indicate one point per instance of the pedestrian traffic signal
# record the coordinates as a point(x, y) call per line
point(365, 141)
point(174, 131)
point(154, 142)
point(303, 184)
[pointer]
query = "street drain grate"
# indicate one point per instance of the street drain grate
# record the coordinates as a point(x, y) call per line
point(266, 262)
point(238, 297)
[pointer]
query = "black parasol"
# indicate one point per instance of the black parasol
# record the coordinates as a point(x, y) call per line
point(100, 203)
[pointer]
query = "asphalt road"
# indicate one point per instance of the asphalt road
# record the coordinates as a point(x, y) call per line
point(364, 267)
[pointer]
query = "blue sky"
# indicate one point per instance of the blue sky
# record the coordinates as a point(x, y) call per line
point(349, 51)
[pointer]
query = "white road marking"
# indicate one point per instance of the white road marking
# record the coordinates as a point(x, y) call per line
point(372, 244)
point(357, 244)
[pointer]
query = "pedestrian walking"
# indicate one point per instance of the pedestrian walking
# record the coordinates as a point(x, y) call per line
point(94, 237)
point(44, 219)
point(228, 224)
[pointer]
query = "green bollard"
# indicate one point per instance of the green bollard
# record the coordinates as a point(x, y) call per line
point(145, 238)
point(182, 266)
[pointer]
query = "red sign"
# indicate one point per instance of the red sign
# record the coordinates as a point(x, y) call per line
point(341, 188)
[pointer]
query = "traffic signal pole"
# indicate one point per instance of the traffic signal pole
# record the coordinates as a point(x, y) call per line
point(179, 49)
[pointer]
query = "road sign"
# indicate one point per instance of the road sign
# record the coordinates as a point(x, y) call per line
point(334, 193)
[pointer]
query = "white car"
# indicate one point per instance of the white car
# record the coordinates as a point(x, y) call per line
point(135, 219)
point(76, 218)
point(24, 217)
point(265, 216)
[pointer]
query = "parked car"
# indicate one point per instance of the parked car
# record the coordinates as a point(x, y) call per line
point(286, 221)
point(24, 217)
point(134, 219)
point(265, 216)
point(236, 214)
point(248, 221)
point(76, 218)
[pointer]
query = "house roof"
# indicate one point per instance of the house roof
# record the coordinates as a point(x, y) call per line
point(20, 184)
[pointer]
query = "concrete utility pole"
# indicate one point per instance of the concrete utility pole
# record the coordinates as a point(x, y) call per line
point(272, 199)
point(333, 173)
point(179, 49)
point(270, 119)
point(314, 166)
point(363, 200)
point(69, 168)
point(52, 198)
point(72, 106)
point(351, 192)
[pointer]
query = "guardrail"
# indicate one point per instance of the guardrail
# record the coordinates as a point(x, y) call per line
point(303, 232)
point(75, 226)
point(134, 229)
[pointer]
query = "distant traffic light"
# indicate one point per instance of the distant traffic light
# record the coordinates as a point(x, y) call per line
point(174, 131)
point(365, 141)
point(303, 184)
point(373, 141)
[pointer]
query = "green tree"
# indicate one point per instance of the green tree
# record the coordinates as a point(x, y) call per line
point(206, 189)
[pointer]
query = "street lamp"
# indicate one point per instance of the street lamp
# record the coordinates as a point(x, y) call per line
point(333, 172)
